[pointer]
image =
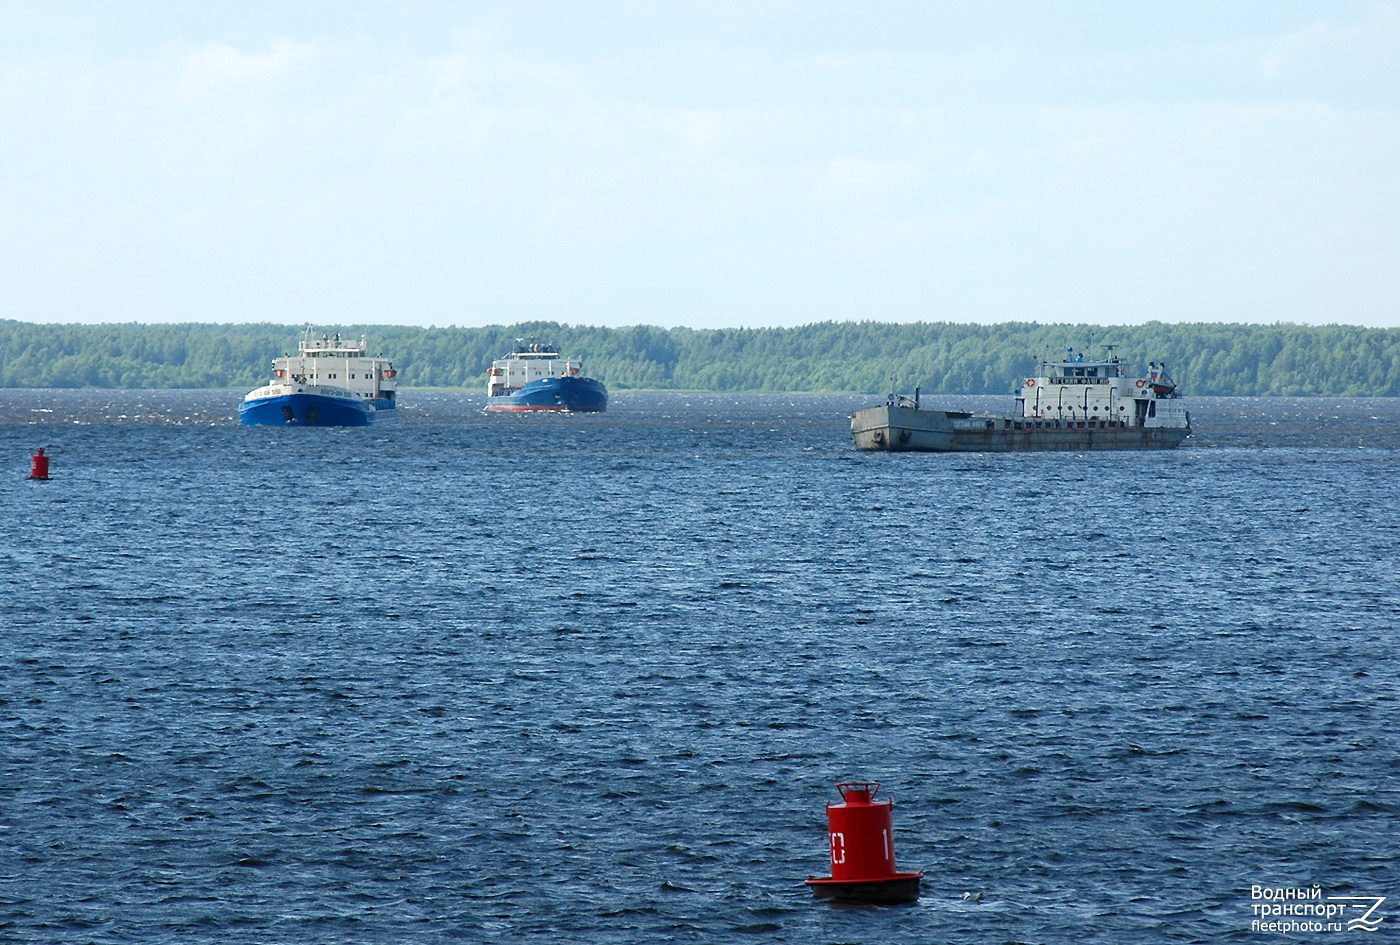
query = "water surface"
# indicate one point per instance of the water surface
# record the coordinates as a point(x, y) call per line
point(477, 678)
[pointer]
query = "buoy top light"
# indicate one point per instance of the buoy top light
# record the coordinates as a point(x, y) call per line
point(858, 792)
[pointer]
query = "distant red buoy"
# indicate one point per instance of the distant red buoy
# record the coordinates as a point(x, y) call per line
point(39, 465)
point(862, 850)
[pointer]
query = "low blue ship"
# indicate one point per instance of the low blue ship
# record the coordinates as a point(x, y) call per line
point(535, 377)
point(328, 383)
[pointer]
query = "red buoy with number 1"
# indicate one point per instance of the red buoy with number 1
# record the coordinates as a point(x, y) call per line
point(39, 465)
point(862, 850)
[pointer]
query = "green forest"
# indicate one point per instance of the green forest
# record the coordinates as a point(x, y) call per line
point(854, 357)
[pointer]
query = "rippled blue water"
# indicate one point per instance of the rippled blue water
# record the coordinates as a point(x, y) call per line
point(594, 677)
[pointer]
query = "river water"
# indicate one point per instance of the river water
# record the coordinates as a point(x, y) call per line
point(493, 678)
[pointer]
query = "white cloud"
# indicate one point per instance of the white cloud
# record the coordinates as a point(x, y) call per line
point(16, 81)
point(870, 177)
point(696, 129)
point(1329, 45)
point(452, 73)
point(217, 67)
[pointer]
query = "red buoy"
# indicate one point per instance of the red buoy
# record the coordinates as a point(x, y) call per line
point(862, 850)
point(39, 465)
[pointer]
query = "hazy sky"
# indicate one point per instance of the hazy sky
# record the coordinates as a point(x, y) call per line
point(708, 164)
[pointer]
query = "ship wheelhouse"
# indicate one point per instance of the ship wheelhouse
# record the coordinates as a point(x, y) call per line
point(337, 367)
point(526, 364)
point(1087, 393)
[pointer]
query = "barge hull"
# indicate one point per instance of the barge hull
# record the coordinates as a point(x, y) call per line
point(899, 429)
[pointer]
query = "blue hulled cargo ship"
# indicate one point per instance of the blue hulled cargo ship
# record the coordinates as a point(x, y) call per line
point(328, 383)
point(535, 377)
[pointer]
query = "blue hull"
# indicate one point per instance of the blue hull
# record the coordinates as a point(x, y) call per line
point(313, 410)
point(576, 394)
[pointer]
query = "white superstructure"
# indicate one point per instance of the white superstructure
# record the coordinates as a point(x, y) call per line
point(329, 366)
point(526, 363)
point(1076, 390)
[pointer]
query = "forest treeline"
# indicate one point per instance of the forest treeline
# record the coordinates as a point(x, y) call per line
point(855, 357)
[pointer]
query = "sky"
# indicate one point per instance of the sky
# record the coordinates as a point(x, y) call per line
point(713, 164)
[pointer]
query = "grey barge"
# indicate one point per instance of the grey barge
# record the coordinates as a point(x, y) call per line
point(1073, 405)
